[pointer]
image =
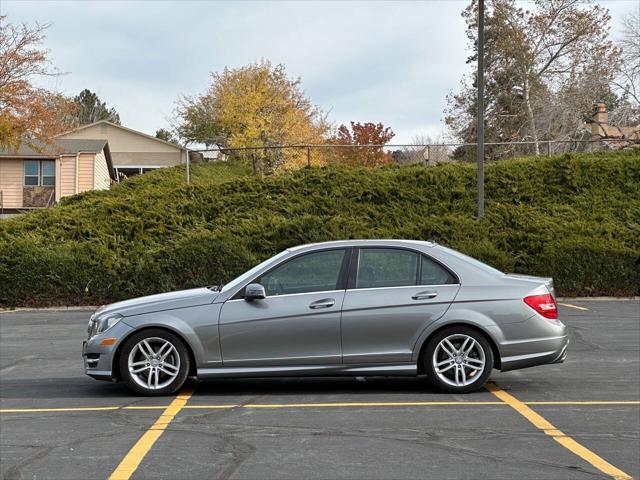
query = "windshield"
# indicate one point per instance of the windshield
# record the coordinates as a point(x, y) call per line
point(250, 273)
point(471, 260)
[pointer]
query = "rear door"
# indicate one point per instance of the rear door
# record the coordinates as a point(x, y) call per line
point(392, 295)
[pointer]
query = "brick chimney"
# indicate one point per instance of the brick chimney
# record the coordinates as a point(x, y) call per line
point(600, 120)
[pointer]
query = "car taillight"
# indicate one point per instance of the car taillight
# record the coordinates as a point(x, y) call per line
point(544, 304)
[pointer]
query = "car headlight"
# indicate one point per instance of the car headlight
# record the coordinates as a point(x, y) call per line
point(91, 324)
point(102, 324)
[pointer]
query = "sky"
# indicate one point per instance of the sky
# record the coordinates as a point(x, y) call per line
point(367, 61)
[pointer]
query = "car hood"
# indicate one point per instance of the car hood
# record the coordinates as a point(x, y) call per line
point(160, 302)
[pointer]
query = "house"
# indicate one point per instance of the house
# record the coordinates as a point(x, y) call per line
point(39, 177)
point(132, 152)
point(611, 136)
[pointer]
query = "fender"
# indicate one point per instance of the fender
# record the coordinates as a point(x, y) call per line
point(456, 315)
point(198, 326)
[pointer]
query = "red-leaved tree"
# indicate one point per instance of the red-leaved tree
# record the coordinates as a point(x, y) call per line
point(360, 137)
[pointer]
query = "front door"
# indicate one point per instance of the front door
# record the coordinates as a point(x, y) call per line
point(298, 323)
point(396, 293)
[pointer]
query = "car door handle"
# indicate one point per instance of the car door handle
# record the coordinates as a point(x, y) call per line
point(425, 295)
point(324, 303)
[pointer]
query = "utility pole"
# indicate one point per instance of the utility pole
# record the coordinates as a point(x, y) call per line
point(480, 105)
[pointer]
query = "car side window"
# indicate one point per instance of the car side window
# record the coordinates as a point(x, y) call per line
point(386, 267)
point(313, 272)
point(434, 274)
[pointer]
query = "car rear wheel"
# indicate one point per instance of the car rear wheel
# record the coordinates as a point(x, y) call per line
point(458, 359)
point(154, 362)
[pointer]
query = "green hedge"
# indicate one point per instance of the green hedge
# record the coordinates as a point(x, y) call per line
point(573, 217)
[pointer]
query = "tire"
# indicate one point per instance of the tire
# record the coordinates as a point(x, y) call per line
point(162, 373)
point(466, 370)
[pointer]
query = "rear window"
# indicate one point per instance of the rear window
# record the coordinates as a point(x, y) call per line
point(434, 274)
point(386, 267)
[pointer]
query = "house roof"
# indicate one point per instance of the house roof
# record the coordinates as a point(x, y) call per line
point(61, 146)
point(130, 130)
point(611, 131)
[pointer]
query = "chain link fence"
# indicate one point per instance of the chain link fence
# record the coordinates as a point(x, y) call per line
point(269, 158)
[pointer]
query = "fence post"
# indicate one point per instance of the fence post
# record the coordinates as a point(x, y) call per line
point(308, 156)
point(548, 148)
point(254, 162)
point(187, 162)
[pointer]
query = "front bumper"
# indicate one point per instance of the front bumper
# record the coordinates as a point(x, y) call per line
point(98, 359)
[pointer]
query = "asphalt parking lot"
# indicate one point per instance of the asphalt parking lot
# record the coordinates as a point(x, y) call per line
point(580, 419)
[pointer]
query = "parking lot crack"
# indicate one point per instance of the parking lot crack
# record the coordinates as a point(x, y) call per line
point(15, 472)
point(578, 337)
point(12, 365)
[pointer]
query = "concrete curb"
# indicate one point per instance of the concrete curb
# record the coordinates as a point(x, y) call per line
point(597, 299)
point(67, 308)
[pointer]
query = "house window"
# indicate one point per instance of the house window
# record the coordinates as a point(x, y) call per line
point(31, 173)
point(39, 173)
point(48, 173)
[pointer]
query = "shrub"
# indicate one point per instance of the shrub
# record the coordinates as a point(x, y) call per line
point(573, 217)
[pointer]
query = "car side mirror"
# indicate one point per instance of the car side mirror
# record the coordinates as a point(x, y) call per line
point(254, 291)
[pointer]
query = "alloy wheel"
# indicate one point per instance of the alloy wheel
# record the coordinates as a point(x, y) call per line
point(154, 363)
point(459, 360)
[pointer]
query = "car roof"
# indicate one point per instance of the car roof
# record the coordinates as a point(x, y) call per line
point(364, 243)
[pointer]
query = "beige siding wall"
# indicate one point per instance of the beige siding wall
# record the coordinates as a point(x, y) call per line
point(121, 140)
point(67, 176)
point(101, 178)
point(86, 163)
point(57, 194)
point(129, 148)
point(11, 180)
point(150, 159)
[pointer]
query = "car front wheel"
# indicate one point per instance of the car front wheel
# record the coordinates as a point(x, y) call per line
point(458, 360)
point(154, 362)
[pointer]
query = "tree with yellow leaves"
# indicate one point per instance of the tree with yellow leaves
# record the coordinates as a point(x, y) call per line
point(255, 106)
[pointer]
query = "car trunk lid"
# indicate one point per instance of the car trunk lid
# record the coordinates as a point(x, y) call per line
point(546, 281)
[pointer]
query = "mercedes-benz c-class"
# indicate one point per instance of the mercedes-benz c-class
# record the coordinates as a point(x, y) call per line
point(358, 307)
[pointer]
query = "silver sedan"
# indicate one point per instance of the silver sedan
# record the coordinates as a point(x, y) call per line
point(359, 307)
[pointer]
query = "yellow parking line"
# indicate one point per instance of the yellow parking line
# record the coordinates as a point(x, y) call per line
point(213, 407)
point(145, 407)
point(132, 460)
point(362, 404)
point(573, 306)
point(567, 442)
point(587, 402)
point(316, 405)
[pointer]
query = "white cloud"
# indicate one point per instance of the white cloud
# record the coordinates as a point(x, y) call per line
point(390, 62)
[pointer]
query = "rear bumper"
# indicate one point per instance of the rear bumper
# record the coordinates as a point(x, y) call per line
point(535, 341)
point(554, 355)
point(562, 355)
